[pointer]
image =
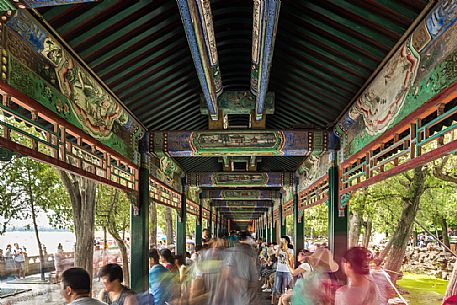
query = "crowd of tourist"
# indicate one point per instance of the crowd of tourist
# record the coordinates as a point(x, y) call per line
point(236, 269)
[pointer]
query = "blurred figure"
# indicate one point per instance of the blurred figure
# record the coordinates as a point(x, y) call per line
point(180, 265)
point(9, 261)
point(59, 263)
point(316, 287)
point(205, 236)
point(160, 280)
point(381, 279)
point(114, 293)
point(76, 288)
point(360, 290)
point(239, 279)
point(206, 274)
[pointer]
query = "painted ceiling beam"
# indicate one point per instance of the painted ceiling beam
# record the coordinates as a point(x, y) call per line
point(240, 179)
point(249, 204)
point(220, 143)
point(242, 210)
point(21, 4)
point(244, 195)
point(198, 24)
point(265, 22)
point(239, 102)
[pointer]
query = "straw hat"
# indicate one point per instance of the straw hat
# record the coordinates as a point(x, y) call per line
point(323, 258)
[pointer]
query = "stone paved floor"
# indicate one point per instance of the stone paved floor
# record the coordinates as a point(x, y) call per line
point(41, 294)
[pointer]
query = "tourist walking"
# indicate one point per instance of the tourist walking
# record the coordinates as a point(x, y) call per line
point(239, 280)
point(77, 287)
point(114, 292)
point(360, 289)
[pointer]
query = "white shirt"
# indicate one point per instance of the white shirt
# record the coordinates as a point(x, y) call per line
point(282, 260)
point(305, 266)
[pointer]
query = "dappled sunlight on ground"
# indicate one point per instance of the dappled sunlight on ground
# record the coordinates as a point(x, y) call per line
point(423, 289)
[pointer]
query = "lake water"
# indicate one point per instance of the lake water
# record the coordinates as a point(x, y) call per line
point(27, 239)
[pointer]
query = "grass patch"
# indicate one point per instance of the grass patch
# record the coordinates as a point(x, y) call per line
point(423, 289)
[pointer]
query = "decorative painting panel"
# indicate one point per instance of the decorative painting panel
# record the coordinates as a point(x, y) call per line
point(241, 203)
point(240, 194)
point(420, 69)
point(41, 68)
point(240, 143)
point(239, 102)
point(167, 171)
point(231, 179)
point(312, 169)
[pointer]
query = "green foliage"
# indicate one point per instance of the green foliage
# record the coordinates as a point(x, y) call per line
point(113, 209)
point(161, 218)
point(383, 202)
point(27, 185)
point(315, 221)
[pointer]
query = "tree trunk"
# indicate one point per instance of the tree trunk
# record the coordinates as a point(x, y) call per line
point(452, 284)
point(35, 225)
point(152, 224)
point(40, 248)
point(169, 225)
point(367, 234)
point(400, 237)
point(355, 220)
point(444, 232)
point(82, 193)
point(123, 248)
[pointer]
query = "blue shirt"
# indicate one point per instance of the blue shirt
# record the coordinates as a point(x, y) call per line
point(160, 284)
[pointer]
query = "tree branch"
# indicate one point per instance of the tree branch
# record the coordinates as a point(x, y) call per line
point(437, 172)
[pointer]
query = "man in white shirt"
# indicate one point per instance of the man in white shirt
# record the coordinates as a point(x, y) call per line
point(76, 288)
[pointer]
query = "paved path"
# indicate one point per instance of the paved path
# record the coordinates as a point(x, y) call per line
point(41, 294)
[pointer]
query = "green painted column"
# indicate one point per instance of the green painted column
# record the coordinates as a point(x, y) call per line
point(181, 217)
point(216, 225)
point(299, 241)
point(139, 225)
point(337, 219)
point(199, 222)
point(273, 228)
point(282, 219)
point(210, 222)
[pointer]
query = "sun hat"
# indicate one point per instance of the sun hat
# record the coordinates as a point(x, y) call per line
point(323, 258)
